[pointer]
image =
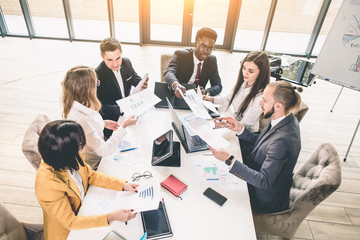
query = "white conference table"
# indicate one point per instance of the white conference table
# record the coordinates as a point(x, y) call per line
point(194, 217)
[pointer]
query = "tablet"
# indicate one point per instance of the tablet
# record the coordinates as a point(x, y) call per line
point(162, 148)
point(156, 223)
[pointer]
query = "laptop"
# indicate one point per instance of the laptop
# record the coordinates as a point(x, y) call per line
point(162, 91)
point(190, 143)
point(166, 152)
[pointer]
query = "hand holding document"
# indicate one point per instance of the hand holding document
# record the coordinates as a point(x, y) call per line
point(147, 197)
point(194, 101)
point(140, 84)
point(207, 104)
point(138, 103)
point(205, 131)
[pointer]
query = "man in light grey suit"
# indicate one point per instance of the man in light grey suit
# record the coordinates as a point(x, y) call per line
point(269, 168)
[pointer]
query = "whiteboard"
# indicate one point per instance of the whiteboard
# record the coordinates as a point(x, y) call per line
point(339, 58)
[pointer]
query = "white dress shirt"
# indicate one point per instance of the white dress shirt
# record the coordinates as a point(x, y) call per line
point(77, 179)
point(93, 125)
point(120, 81)
point(250, 118)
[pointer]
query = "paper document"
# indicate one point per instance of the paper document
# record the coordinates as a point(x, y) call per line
point(207, 104)
point(138, 87)
point(195, 104)
point(212, 171)
point(138, 103)
point(205, 132)
point(147, 198)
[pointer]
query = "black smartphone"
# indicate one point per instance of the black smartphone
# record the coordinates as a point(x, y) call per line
point(215, 196)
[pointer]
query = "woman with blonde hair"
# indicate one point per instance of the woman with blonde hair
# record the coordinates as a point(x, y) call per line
point(245, 97)
point(81, 104)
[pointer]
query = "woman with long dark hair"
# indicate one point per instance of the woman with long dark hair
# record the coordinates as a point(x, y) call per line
point(245, 97)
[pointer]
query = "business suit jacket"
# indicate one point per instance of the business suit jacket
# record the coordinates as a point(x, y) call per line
point(108, 91)
point(181, 68)
point(269, 169)
point(59, 197)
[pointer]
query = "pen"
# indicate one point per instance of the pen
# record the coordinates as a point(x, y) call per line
point(129, 149)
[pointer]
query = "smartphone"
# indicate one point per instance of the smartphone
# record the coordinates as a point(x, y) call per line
point(215, 196)
point(114, 236)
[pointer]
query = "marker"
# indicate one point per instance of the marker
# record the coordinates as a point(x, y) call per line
point(144, 237)
point(129, 149)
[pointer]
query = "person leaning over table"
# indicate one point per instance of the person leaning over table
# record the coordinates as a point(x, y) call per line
point(246, 95)
point(269, 168)
point(184, 66)
point(81, 104)
point(115, 76)
point(63, 179)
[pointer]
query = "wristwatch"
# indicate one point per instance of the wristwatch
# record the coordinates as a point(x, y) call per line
point(228, 161)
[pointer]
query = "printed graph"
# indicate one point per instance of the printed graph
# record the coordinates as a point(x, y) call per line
point(147, 193)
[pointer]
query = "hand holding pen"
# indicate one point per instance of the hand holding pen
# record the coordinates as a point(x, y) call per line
point(220, 122)
point(229, 122)
point(180, 90)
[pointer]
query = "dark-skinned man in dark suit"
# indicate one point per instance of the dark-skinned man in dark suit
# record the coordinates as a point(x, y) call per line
point(184, 66)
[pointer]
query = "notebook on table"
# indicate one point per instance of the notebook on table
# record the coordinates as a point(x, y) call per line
point(162, 91)
point(190, 143)
point(174, 185)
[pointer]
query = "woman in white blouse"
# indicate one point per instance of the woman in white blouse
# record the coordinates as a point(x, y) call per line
point(253, 77)
point(81, 104)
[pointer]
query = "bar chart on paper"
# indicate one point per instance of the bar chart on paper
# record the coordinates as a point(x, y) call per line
point(212, 172)
point(147, 193)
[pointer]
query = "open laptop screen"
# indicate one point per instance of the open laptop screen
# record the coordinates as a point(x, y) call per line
point(176, 121)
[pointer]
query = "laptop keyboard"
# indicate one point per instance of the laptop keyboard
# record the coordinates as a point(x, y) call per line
point(194, 142)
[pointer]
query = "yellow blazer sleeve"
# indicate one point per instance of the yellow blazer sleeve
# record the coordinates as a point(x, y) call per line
point(102, 180)
point(59, 203)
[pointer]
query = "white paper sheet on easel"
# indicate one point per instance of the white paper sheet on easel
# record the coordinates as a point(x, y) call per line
point(138, 87)
point(138, 103)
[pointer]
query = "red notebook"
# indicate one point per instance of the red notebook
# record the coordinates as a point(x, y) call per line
point(174, 185)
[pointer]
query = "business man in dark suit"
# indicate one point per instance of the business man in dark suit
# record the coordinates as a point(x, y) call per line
point(195, 66)
point(115, 77)
point(269, 167)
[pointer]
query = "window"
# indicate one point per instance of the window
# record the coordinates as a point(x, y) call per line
point(90, 19)
point(48, 18)
point(251, 24)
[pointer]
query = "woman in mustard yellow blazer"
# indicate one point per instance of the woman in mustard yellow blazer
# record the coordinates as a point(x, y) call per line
point(63, 179)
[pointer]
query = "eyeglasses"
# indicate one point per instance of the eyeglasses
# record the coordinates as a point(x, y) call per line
point(204, 47)
point(137, 176)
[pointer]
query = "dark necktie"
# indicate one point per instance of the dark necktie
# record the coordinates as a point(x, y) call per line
point(197, 74)
point(268, 129)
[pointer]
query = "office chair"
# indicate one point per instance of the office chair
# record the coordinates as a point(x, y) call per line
point(164, 62)
point(317, 179)
point(31, 137)
point(13, 229)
